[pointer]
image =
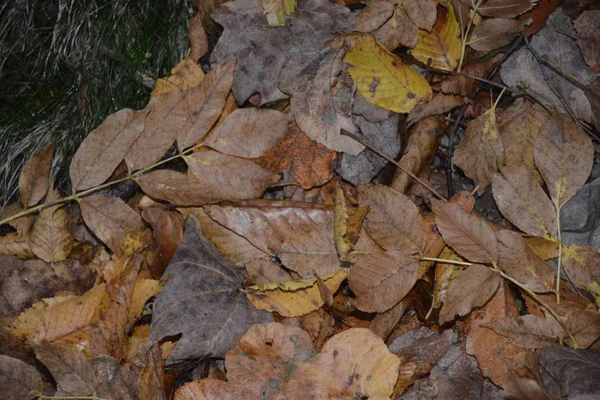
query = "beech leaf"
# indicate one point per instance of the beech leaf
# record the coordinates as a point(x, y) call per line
point(382, 78)
point(207, 287)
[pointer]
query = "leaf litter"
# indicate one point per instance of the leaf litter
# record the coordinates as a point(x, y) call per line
point(270, 227)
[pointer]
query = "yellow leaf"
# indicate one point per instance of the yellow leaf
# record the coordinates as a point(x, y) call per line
point(293, 298)
point(348, 222)
point(187, 74)
point(382, 78)
point(442, 44)
point(277, 10)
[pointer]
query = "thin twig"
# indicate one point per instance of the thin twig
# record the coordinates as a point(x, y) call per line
point(388, 158)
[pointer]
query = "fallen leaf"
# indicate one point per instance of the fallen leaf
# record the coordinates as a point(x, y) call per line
point(50, 236)
point(422, 12)
point(459, 84)
point(481, 152)
point(564, 156)
point(382, 78)
point(34, 178)
point(348, 222)
point(493, 33)
point(248, 132)
point(18, 379)
point(198, 38)
point(115, 223)
point(208, 286)
point(187, 74)
point(521, 263)
point(104, 148)
point(300, 160)
point(568, 372)
point(277, 10)
point(519, 126)
point(536, 18)
point(373, 16)
point(468, 235)
point(392, 218)
point(265, 271)
point(587, 33)
point(293, 298)
point(398, 30)
point(442, 45)
point(524, 203)
point(351, 362)
point(167, 228)
point(69, 368)
point(275, 51)
point(419, 151)
point(440, 104)
point(300, 234)
point(380, 279)
point(528, 331)
point(503, 8)
point(582, 266)
point(472, 288)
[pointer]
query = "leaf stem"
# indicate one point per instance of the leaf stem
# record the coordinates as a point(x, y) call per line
point(390, 159)
point(559, 263)
point(78, 195)
point(532, 294)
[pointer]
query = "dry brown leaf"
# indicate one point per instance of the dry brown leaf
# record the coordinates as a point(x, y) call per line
point(381, 279)
point(422, 12)
point(503, 8)
point(265, 271)
point(69, 368)
point(348, 222)
point(183, 116)
point(115, 223)
point(398, 30)
point(65, 322)
point(496, 356)
point(356, 353)
point(105, 147)
point(392, 218)
point(248, 132)
point(564, 155)
point(472, 288)
point(440, 104)
point(587, 37)
point(373, 16)
point(493, 33)
point(300, 234)
point(544, 249)
point(34, 178)
point(481, 152)
point(143, 290)
point(18, 379)
point(445, 274)
point(187, 74)
point(528, 331)
point(582, 266)
point(300, 160)
point(167, 228)
point(524, 203)
point(231, 246)
point(469, 236)
point(521, 263)
point(459, 84)
point(420, 150)
point(50, 237)
point(519, 126)
point(198, 38)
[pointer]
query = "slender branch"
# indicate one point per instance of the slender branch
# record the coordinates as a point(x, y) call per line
point(521, 286)
point(388, 158)
point(559, 263)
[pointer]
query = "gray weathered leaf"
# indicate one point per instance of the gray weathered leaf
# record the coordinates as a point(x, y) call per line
point(202, 300)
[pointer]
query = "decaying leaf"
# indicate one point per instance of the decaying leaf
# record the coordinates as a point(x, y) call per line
point(300, 234)
point(582, 266)
point(277, 10)
point(115, 223)
point(472, 288)
point(187, 74)
point(293, 298)
point(493, 33)
point(208, 286)
point(382, 78)
point(50, 236)
point(564, 155)
point(398, 30)
point(503, 8)
point(69, 367)
point(422, 12)
point(524, 203)
point(587, 37)
point(283, 363)
point(529, 331)
point(481, 152)
point(373, 16)
point(470, 236)
point(34, 178)
point(18, 379)
point(348, 219)
point(379, 278)
point(442, 45)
